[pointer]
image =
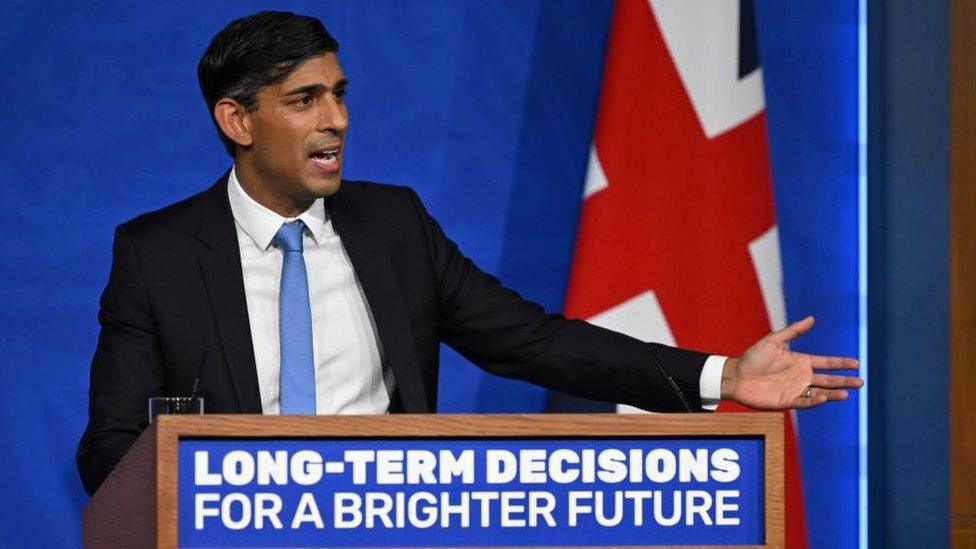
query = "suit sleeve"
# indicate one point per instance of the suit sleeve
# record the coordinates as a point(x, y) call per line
point(125, 370)
point(509, 336)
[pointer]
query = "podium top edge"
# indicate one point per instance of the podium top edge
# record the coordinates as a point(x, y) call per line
point(472, 425)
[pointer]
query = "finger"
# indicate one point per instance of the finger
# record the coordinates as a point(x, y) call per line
point(832, 362)
point(793, 331)
point(836, 382)
point(818, 396)
point(831, 394)
point(803, 403)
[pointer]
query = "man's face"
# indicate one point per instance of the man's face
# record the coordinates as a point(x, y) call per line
point(299, 128)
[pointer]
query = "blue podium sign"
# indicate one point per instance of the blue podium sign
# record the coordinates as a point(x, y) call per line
point(439, 492)
point(551, 480)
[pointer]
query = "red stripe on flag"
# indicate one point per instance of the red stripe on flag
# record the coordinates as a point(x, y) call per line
point(679, 213)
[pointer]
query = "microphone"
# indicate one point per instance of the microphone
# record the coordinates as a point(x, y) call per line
point(674, 385)
point(196, 382)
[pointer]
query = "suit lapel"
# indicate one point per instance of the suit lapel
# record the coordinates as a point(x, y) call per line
point(224, 278)
point(375, 273)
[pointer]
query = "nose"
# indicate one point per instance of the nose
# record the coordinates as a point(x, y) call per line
point(333, 116)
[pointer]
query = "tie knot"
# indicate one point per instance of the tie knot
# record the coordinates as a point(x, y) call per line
point(289, 236)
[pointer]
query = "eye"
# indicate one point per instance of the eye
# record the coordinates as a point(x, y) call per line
point(339, 94)
point(303, 101)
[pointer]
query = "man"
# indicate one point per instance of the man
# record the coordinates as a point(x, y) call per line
point(283, 289)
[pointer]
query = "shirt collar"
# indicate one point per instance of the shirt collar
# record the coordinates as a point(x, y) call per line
point(261, 223)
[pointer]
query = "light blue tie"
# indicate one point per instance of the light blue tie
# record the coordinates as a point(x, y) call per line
point(297, 382)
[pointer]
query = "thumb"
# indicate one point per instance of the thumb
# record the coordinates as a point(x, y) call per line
point(793, 331)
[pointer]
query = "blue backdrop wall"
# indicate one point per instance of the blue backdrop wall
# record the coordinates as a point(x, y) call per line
point(485, 108)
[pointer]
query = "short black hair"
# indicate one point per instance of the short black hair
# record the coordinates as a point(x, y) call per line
point(257, 51)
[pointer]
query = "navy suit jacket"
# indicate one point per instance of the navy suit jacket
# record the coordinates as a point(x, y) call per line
point(174, 310)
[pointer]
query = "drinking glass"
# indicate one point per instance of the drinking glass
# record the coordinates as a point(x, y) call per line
point(174, 405)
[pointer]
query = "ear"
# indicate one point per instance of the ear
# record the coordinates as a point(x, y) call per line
point(233, 121)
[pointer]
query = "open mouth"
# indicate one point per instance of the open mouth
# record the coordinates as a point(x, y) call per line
point(327, 159)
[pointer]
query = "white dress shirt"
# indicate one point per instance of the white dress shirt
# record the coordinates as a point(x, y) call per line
point(710, 382)
point(349, 374)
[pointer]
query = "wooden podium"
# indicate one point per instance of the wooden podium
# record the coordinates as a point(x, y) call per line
point(139, 503)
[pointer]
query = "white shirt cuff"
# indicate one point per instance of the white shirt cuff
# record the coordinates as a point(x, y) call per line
point(710, 382)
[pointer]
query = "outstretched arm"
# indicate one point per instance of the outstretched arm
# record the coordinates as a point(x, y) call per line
point(503, 333)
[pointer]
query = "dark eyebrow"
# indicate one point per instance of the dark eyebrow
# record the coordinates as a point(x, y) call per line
point(313, 89)
point(310, 89)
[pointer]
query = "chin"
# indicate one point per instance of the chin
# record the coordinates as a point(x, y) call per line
point(323, 187)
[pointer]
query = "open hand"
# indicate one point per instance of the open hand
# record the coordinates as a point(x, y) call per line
point(770, 376)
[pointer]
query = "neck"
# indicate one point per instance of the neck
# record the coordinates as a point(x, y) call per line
point(263, 190)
